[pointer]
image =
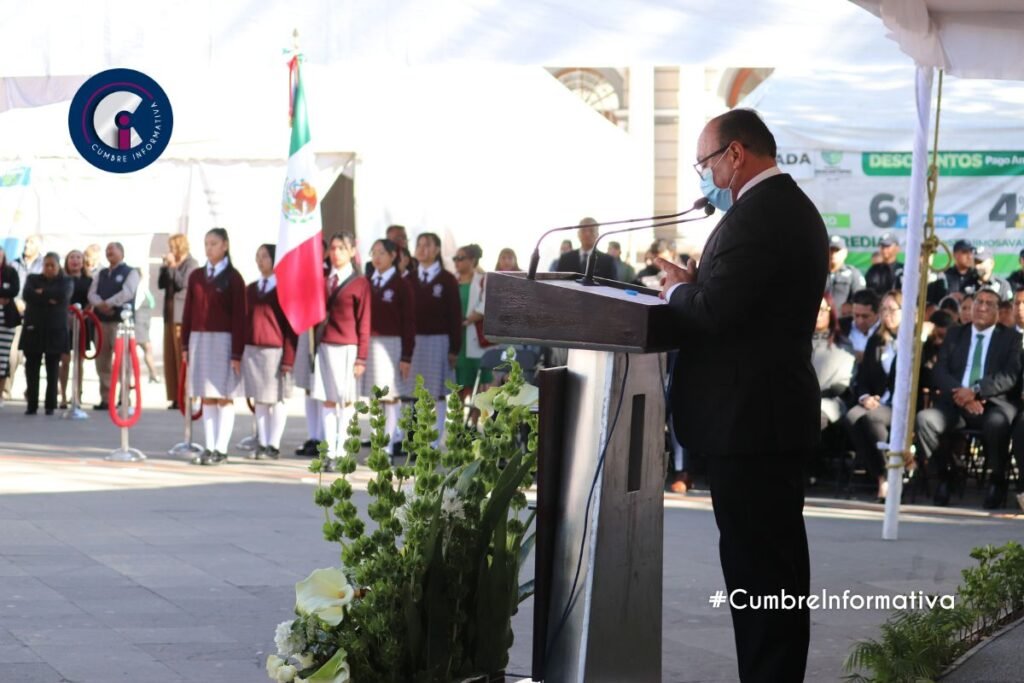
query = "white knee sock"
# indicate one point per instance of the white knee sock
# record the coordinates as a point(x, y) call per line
point(442, 409)
point(314, 419)
point(677, 449)
point(263, 424)
point(278, 415)
point(347, 412)
point(330, 420)
point(210, 415)
point(391, 411)
point(226, 426)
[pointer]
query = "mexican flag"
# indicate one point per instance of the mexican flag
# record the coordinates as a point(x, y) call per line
point(300, 252)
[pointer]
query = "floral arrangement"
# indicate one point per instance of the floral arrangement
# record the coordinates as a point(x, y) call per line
point(428, 586)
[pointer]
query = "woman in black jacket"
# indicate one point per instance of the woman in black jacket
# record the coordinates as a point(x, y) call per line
point(10, 286)
point(869, 421)
point(45, 331)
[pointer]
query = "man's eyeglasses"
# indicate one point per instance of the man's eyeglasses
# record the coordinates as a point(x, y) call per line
point(699, 166)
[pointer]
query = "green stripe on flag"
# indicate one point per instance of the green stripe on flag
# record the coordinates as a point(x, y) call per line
point(300, 124)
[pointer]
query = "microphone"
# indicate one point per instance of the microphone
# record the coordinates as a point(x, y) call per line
point(701, 203)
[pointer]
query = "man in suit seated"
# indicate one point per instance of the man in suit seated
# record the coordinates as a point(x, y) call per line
point(978, 376)
point(575, 261)
point(863, 324)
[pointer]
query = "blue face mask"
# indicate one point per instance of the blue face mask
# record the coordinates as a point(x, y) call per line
point(720, 198)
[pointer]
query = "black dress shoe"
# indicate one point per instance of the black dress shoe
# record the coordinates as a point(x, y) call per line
point(101, 406)
point(202, 458)
point(308, 449)
point(173, 406)
point(995, 496)
point(255, 454)
point(217, 458)
point(31, 411)
point(272, 453)
point(941, 497)
point(49, 411)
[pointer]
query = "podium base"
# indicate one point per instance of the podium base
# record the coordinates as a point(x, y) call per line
point(126, 455)
point(184, 449)
point(74, 414)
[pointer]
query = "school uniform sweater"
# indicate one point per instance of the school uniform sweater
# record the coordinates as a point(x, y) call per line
point(267, 324)
point(394, 312)
point(215, 305)
point(348, 317)
point(438, 307)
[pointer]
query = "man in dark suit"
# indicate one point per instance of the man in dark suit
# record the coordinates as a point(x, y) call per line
point(575, 261)
point(978, 376)
point(756, 443)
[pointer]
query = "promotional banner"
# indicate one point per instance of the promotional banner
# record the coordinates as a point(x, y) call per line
point(861, 195)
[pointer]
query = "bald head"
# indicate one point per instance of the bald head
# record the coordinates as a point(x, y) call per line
point(737, 146)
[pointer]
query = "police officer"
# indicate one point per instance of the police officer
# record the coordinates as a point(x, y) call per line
point(959, 277)
point(887, 274)
point(985, 263)
point(843, 280)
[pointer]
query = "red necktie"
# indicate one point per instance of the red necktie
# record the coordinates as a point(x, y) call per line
point(332, 284)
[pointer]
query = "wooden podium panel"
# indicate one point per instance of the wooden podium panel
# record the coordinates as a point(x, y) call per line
point(555, 310)
point(598, 577)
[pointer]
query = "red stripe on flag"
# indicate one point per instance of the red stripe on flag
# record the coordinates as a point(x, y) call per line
point(300, 284)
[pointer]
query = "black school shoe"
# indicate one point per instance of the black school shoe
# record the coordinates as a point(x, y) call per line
point(308, 449)
point(271, 452)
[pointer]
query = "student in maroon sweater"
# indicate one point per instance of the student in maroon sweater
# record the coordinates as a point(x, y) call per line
point(392, 333)
point(212, 339)
point(343, 341)
point(268, 357)
point(438, 322)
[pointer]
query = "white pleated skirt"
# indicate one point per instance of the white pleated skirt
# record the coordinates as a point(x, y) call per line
point(261, 374)
point(334, 377)
point(382, 369)
point(209, 366)
point(430, 359)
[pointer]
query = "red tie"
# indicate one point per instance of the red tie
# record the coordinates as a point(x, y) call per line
point(333, 283)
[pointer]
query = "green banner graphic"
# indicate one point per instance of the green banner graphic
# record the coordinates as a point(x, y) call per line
point(950, 163)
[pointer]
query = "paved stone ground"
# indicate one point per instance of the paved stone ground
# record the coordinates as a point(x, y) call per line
point(1000, 661)
point(163, 572)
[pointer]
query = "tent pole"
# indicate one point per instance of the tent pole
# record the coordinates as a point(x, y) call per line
point(915, 279)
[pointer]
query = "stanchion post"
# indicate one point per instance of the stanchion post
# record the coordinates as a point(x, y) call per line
point(125, 333)
point(187, 447)
point(75, 412)
point(251, 442)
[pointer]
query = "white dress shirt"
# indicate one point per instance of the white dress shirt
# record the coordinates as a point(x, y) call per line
point(430, 272)
point(859, 340)
point(342, 274)
point(986, 341)
point(267, 284)
point(217, 269)
point(381, 279)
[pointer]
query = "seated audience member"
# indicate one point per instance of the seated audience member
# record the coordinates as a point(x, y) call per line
point(936, 329)
point(868, 422)
point(951, 305)
point(1016, 278)
point(860, 327)
point(978, 376)
point(1018, 311)
point(1006, 316)
point(832, 364)
point(966, 309)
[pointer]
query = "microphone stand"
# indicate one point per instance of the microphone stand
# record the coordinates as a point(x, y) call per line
point(535, 257)
point(588, 275)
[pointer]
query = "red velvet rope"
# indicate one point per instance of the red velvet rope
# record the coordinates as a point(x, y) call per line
point(83, 332)
point(115, 375)
point(182, 377)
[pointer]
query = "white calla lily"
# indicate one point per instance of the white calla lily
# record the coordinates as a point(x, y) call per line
point(335, 670)
point(325, 593)
point(527, 395)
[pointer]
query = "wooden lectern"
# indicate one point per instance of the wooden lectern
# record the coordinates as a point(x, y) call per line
point(597, 614)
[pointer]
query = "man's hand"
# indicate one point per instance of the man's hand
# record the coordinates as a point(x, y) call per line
point(674, 274)
point(963, 396)
point(974, 407)
point(871, 402)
